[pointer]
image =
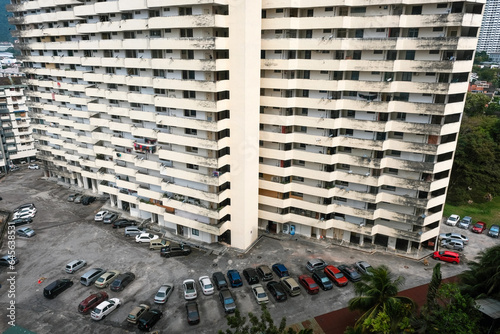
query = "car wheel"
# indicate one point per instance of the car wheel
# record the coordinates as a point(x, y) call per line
point(455, 262)
point(118, 306)
point(127, 235)
point(103, 317)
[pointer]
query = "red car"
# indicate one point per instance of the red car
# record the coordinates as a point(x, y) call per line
point(479, 227)
point(447, 256)
point(336, 276)
point(309, 284)
point(89, 303)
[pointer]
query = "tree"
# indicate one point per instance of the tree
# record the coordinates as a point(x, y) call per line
point(482, 279)
point(476, 104)
point(481, 57)
point(377, 294)
point(264, 325)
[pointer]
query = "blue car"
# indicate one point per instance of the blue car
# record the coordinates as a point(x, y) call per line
point(280, 270)
point(234, 278)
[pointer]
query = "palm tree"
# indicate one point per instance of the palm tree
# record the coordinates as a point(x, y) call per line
point(377, 293)
point(483, 277)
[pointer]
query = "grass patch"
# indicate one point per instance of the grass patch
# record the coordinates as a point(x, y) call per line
point(488, 212)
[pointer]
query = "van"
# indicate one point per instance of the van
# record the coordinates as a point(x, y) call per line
point(158, 244)
point(56, 287)
point(291, 286)
point(131, 231)
point(73, 266)
point(91, 276)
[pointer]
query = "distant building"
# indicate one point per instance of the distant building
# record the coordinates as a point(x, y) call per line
point(482, 87)
point(489, 36)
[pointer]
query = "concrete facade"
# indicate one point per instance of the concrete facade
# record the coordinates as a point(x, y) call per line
point(217, 118)
point(489, 36)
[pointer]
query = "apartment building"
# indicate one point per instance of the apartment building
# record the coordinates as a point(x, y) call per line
point(489, 36)
point(217, 119)
point(16, 143)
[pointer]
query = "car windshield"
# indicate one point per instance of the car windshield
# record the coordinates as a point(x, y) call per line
point(478, 225)
point(237, 280)
point(160, 294)
point(262, 295)
point(221, 282)
point(116, 282)
point(314, 285)
point(228, 301)
point(131, 317)
point(324, 279)
point(452, 218)
point(339, 275)
point(208, 286)
point(495, 228)
point(97, 311)
point(100, 279)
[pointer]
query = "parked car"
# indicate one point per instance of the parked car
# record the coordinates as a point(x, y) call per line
point(494, 231)
point(336, 275)
point(189, 289)
point(276, 290)
point(265, 273)
point(251, 276)
point(163, 293)
point(280, 270)
point(290, 285)
point(465, 223)
point(25, 232)
point(121, 281)
point(89, 303)
point(323, 281)
point(105, 279)
point(364, 267)
point(75, 265)
point(452, 244)
point(479, 227)
point(136, 313)
point(193, 315)
point(78, 199)
point(71, 198)
point(219, 280)
point(182, 250)
point(105, 308)
point(453, 220)
point(20, 221)
point(33, 166)
point(455, 236)
point(350, 273)
point(158, 244)
point(123, 223)
point(206, 285)
point(100, 215)
point(25, 213)
point(315, 264)
point(447, 256)
point(132, 231)
point(259, 294)
point(24, 206)
point(87, 200)
point(309, 284)
point(52, 290)
point(234, 278)
point(148, 320)
point(227, 300)
point(109, 218)
point(145, 237)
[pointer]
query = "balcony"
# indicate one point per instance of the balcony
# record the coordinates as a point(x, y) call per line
point(148, 147)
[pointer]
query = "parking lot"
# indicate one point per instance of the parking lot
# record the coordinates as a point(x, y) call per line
point(66, 231)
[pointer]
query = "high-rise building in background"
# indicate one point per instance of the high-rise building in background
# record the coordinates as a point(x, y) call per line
point(219, 118)
point(489, 36)
point(16, 140)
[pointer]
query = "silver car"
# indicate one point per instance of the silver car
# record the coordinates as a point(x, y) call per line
point(25, 232)
point(163, 293)
point(452, 244)
point(454, 236)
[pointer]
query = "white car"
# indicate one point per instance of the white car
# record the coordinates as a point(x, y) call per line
point(260, 294)
point(33, 166)
point(100, 215)
point(25, 213)
point(146, 237)
point(206, 285)
point(453, 220)
point(105, 308)
point(189, 289)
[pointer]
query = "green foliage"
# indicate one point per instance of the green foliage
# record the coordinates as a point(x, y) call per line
point(475, 104)
point(476, 169)
point(481, 57)
point(376, 294)
point(487, 212)
point(482, 279)
point(263, 325)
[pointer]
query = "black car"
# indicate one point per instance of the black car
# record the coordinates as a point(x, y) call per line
point(227, 301)
point(350, 273)
point(277, 291)
point(219, 280)
point(20, 221)
point(123, 223)
point(86, 200)
point(322, 280)
point(182, 250)
point(121, 281)
point(251, 276)
point(148, 320)
point(193, 315)
point(55, 288)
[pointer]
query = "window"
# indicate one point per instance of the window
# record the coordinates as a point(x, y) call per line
point(406, 76)
point(380, 30)
point(393, 171)
point(110, 70)
point(433, 52)
point(155, 33)
point(394, 153)
point(340, 199)
point(112, 86)
point(349, 132)
point(298, 178)
point(437, 29)
point(128, 35)
point(130, 54)
point(159, 73)
point(398, 135)
point(193, 132)
point(160, 91)
point(191, 166)
point(358, 10)
point(378, 52)
point(401, 116)
point(410, 55)
point(413, 32)
point(191, 149)
point(389, 188)
point(328, 9)
point(195, 232)
point(279, 10)
point(155, 54)
point(297, 194)
point(190, 113)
